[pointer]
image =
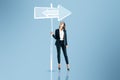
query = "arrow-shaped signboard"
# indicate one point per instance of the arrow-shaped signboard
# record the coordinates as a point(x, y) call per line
point(51, 12)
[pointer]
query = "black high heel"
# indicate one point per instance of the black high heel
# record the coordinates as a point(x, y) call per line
point(68, 69)
point(59, 68)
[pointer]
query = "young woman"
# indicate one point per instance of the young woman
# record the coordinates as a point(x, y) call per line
point(61, 42)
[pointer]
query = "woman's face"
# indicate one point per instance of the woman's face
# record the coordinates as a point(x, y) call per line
point(61, 25)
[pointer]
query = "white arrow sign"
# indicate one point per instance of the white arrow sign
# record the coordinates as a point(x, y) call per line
point(50, 12)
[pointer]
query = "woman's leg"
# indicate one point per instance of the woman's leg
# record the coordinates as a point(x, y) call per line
point(65, 54)
point(58, 56)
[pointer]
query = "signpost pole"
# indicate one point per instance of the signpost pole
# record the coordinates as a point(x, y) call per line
point(51, 45)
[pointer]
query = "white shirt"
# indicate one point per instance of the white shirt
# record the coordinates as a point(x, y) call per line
point(61, 32)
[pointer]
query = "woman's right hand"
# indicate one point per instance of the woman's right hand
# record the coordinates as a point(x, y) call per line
point(51, 33)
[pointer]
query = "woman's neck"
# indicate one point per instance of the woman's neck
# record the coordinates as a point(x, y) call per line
point(61, 29)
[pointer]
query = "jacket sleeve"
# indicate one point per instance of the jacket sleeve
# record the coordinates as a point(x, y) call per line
point(54, 35)
point(66, 38)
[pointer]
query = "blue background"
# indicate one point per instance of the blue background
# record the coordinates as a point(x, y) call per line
point(93, 37)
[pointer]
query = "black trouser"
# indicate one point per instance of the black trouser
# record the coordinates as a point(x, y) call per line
point(61, 45)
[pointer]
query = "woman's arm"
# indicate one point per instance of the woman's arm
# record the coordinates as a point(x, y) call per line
point(66, 38)
point(54, 35)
